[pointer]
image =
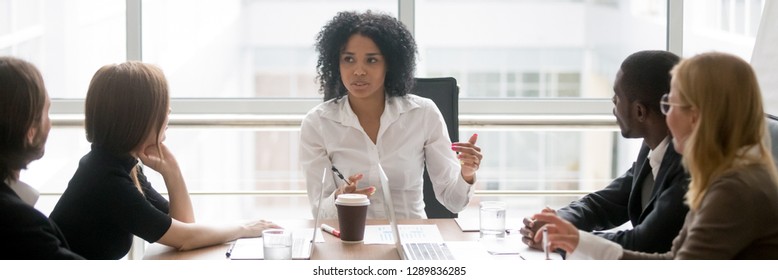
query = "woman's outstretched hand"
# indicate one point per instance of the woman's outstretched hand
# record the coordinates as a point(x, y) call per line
point(469, 157)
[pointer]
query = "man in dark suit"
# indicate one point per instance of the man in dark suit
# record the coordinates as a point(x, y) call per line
point(25, 233)
point(650, 195)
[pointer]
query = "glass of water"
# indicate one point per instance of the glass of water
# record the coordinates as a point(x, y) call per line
point(277, 244)
point(492, 219)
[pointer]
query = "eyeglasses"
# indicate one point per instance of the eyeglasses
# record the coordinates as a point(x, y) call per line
point(665, 104)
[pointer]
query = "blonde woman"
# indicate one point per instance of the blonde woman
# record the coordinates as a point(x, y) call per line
point(109, 200)
point(715, 114)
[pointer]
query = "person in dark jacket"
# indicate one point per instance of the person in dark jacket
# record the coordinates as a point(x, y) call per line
point(25, 233)
point(650, 194)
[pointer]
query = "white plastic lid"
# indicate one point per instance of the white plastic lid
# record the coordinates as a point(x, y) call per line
point(352, 199)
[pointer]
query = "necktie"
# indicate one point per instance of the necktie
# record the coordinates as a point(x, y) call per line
point(648, 184)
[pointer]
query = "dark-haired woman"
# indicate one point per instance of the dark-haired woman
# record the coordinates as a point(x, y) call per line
point(371, 120)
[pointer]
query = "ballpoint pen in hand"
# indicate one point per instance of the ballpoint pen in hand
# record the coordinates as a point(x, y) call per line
point(340, 175)
point(372, 189)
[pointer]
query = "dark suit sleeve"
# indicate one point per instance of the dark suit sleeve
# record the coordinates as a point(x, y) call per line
point(610, 208)
point(661, 225)
point(47, 242)
point(603, 209)
point(28, 234)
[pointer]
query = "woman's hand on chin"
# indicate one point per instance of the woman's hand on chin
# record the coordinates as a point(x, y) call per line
point(163, 163)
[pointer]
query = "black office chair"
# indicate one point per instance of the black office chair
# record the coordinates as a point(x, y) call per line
point(445, 93)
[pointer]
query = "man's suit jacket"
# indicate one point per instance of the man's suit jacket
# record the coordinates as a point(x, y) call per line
point(653, 228)
point(25, 233)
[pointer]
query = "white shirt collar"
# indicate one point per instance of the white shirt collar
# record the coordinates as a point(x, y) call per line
point(343, 114)
point(27, 193)
point(655, 157)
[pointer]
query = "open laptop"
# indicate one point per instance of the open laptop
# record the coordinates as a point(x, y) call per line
point(508, 248)
point(302, 239)
point(410, 250)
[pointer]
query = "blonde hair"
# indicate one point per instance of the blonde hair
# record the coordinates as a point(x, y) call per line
point(724, 90)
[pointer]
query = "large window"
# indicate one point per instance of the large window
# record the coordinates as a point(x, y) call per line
point(67, 40)
point(237, 48)
point(540, 49)
point(535, 48)
point(721, 25)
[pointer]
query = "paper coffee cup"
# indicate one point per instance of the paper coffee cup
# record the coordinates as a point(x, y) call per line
point(352, 213)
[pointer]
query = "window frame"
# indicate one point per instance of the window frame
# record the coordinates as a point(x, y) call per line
point(595, 112)
point(475, 113)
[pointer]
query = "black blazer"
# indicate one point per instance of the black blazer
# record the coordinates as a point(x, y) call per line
point(653, 228)
point(25, 233)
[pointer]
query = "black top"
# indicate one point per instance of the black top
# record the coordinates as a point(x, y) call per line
point(102, 209)
point(26, 234)
point(653, 228)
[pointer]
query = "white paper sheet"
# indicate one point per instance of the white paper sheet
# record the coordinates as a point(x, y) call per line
point(408, 233)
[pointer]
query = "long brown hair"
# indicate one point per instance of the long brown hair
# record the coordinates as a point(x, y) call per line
point(724, 89)
point(22, 98)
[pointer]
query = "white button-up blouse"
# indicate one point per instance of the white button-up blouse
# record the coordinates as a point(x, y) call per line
point(412, 131)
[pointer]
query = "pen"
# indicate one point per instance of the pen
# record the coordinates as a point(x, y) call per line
point(331, 230)
point(229, 251)
point(340, 175)
point(545, 242)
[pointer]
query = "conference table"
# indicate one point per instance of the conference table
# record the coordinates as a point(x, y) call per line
point(332, 248)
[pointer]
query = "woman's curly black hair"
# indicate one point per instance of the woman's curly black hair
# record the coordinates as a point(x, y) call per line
point(389, 34)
